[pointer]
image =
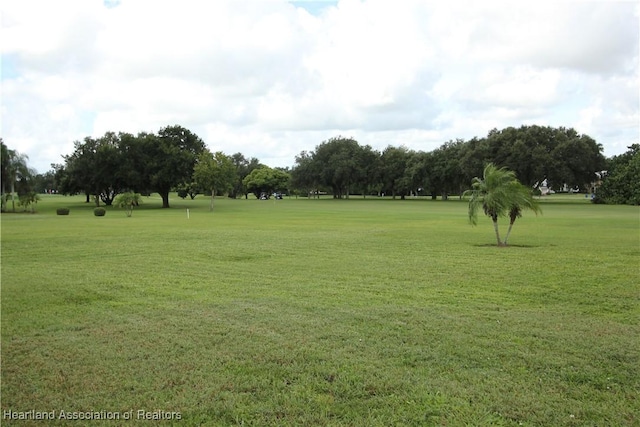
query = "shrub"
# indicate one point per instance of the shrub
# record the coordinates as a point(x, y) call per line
point(62, 211)
point(99, 211)
point(29, 201)
point(127, 201)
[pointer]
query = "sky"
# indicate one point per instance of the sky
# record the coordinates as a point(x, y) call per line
point(271, 78)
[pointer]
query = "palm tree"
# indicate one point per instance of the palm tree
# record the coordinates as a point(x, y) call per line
point(499, 193)
point(523, 199)
point(16, 167)
point(128, 201)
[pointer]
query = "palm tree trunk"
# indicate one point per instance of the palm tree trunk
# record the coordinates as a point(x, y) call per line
point(13, 197)
point(509, 231)
point(495, 227)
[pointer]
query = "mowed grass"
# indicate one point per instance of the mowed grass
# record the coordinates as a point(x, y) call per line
point(323, 312)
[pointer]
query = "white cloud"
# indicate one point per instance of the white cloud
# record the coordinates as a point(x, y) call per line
point(269, 79)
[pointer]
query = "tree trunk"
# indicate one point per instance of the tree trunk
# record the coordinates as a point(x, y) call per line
point(107, 198)
point(213, 194)
point(509, 231)
point(13, 197)
point(165, 199)
point(495, 227)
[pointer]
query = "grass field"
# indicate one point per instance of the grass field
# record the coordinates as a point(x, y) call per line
point(321, 312)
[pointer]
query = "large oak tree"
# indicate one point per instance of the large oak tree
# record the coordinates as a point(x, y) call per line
point(169, 158)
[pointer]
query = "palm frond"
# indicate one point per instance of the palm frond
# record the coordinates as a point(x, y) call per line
point(499, 194)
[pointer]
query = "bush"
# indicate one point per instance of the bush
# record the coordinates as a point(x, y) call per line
point(99, 211)
point(62, 211)
point(127, 201)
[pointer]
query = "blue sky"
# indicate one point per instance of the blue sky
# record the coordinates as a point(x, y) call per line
point(270, 78)
point(9, 69)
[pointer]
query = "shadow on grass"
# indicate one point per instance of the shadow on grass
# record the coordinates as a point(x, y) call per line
point(493, 245)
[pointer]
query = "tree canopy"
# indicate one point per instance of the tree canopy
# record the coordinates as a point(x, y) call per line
point(341, 166)
point(214, 173)
point(169, 159)
point(621, 180)
point(243, 167)
point(114, 163)
point(266, 180)
point(163, 162)
point(95, 168)
point(394, 171)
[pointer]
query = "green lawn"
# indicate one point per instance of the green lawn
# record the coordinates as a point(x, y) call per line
point(322, 312)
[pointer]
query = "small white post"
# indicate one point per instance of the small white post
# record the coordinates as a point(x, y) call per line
point(187, 213)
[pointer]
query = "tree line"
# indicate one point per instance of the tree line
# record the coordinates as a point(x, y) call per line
point(561, 156)
point(172, 160)
point(176, 160)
